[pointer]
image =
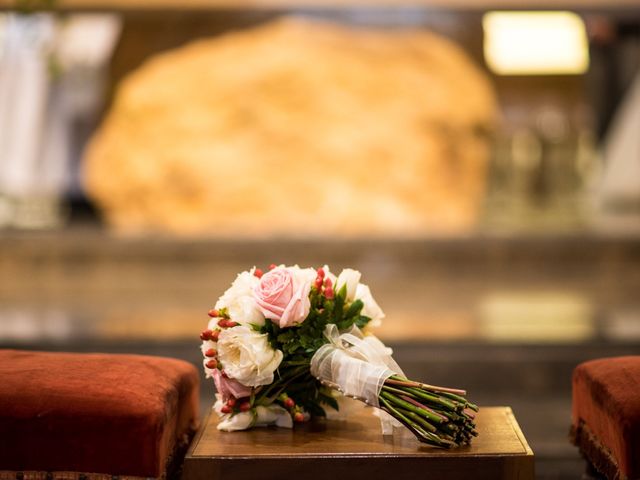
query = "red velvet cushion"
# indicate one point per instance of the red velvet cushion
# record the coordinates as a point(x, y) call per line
point(606, 400)
point(95, 413)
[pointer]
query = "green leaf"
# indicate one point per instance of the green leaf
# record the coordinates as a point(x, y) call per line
point(362, 321)
point(342, 293)
point(328, 308)
point(354, 309)
point(338, 311)
point(329, 400)
point(316, 410)
point(344, 325)
point(271, 329)
point(286, 337)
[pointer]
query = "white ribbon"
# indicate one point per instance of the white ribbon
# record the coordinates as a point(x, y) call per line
point(357, 366)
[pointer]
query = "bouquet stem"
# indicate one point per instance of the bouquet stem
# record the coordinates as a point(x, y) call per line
point(438, 416)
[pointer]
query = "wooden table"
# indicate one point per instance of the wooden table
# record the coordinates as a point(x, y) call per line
point(356, 449)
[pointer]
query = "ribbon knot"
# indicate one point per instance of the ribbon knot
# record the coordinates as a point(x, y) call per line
point(355, 365)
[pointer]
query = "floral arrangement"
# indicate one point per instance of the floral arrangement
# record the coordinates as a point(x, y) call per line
point(285, 345)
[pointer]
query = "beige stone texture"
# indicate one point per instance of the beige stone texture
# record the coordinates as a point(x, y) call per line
point(297, 128)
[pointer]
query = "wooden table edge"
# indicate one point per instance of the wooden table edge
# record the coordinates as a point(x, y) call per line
point(198, 436)
point(518, 431)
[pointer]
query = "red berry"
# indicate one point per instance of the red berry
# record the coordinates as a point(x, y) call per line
point(328, 292)
point(245, 407)
point(289, 403)
point(320, 272)
point(214, 335)
point(225, 323)
point(212, 363)
point(231, 402)
point(272, 266)
point(210, 353)
point(226, 409)
point(318, 283)
point(213, 313)
point(206, 335)
point(298, 417)
point(258, 273)
point(328, 282)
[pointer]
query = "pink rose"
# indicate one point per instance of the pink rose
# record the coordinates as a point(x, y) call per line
point(283, 296)
point(228, 387)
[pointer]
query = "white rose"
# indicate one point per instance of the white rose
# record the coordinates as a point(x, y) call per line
point(247, 356)
point(273, 415)
point(229, 422)
point(371, 308)
point(239, 421)
point(261, 417)
point(239, 300)
point(350, 278)
point(304, 275)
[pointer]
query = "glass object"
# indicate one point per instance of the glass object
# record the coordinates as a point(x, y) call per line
point(50, 77)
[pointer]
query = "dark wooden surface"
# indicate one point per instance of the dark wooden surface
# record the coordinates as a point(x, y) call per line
point(356, 449)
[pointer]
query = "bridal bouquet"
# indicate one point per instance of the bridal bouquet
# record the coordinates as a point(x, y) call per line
point(284, 345)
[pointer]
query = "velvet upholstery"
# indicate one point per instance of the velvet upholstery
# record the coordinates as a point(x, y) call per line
point(97, 413)
point(606, 414)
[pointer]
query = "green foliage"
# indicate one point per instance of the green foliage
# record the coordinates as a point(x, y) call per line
point(271, 329)
point(327, 398)
point(300, 342)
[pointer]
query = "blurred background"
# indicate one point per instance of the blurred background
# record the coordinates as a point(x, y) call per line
point(478, 161)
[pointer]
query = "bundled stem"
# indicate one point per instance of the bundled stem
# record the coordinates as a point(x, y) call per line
point(438, 416)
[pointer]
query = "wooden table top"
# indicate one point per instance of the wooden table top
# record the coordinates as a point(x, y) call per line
point(357, 447)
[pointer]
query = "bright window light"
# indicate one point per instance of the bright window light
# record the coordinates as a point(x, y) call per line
point(535, 43)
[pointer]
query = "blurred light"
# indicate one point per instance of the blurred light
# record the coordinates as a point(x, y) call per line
point(623, 326)
point(537, 317)
point(430, 325)
point(27, 325)
point(535, 43)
